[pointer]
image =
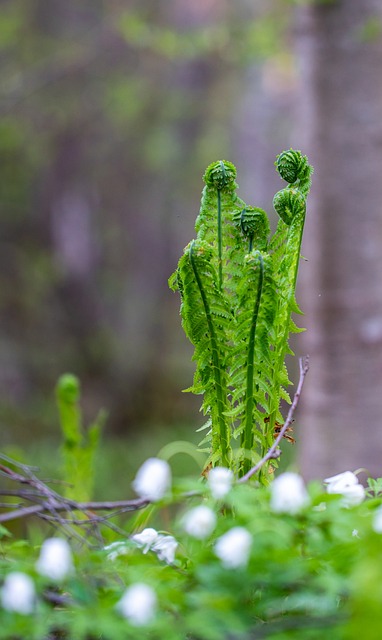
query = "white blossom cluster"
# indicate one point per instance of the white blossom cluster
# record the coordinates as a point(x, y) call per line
point(139, 602)
point(150, 540)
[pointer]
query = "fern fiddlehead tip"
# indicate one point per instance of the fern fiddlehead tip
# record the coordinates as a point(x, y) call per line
point(289, 203)
point(68, 388)
point(290, 165)
point(221, 175)
point(253, 223)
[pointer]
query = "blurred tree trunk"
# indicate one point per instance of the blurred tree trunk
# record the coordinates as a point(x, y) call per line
point(340, 52)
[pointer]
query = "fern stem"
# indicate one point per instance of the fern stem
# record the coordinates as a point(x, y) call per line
point(249, 399)
point(220, 240)
point(283, 343)
point(215, 361)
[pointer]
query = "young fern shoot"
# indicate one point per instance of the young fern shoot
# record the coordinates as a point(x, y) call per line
point(237, 289)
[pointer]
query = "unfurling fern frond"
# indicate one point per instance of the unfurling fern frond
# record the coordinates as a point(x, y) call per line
point(237, 292)
point(214, 223)
point(254, 224)
point(79, 445)
point(252, 353)
point(290, 204)
point(206, 319)
point(294, 168)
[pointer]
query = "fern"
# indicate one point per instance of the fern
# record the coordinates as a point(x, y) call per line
point(237, 290)
point(290, 204)
point(205, 319)
point(79, 448)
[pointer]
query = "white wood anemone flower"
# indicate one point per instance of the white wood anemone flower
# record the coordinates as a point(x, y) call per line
point(55, 561)
point(163, 545)
point(234, 547)
point(288, 493)
point(18, 593)
point(220, 480)
point(138, 604)
point(199, 522)
point(347, 485)
point(153, 479)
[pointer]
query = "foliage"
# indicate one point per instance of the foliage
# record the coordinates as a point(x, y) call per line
point(78, 448)
point(237, 289)
point(220, 556)
point(308, 570)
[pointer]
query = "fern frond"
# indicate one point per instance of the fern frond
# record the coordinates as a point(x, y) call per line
point(252, 354)
point(205, 319)
point(290, 204)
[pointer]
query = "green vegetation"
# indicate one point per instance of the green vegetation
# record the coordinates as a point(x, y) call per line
point(237, 288)
point(232, 553)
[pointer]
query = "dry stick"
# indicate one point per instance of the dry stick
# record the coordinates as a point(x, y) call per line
point(274, 452)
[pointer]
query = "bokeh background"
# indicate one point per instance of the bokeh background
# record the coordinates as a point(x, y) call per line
point(110, 112)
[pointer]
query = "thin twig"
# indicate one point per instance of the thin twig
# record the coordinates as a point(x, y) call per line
point(274, 451)
point(48, 505)
point(120, 506)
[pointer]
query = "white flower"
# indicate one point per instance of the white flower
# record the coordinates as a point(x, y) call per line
point(353, 495)
point(220, 481)
point(233, 548)
point(138, 604)
point(115, 549)
point(341, 481)
point(150, 540)
point(347, 485)
point(377, 521)
point(55, 561)
point(18, 593)
point(199, 522)
point(288, 493)
point(165, 547)
point(145, 538)
point(153, 479)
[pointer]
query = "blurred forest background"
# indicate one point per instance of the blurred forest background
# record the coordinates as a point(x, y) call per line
point(110, 112)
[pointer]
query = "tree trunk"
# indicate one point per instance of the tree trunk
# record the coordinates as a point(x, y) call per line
point(340, 52)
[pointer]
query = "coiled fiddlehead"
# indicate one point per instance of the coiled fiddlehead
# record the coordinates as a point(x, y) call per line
point(294, 168)
point(289, 203)
point(221, 175)
point(254, 225)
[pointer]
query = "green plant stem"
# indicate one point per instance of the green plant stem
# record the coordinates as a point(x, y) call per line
point(215, 361)
point(249, 400)
point(220, 240)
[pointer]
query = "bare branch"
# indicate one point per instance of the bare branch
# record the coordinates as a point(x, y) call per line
point(274, 451)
